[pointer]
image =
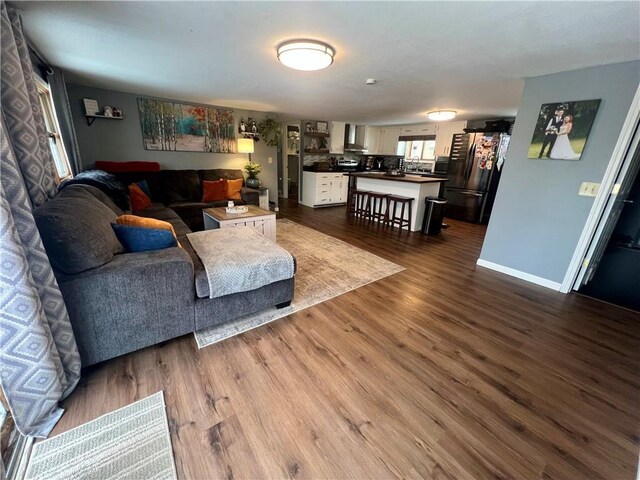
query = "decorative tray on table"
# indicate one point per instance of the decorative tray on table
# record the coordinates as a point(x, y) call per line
point(238, 209)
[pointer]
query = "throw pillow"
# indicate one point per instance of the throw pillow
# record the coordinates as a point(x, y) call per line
point(140, 239)
point(233, 189)
point(144, 222)
point(76, 232)
point(144, 186)
point(214, 191)
point(139, 199)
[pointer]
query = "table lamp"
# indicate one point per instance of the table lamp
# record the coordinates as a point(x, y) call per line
point(245, 145)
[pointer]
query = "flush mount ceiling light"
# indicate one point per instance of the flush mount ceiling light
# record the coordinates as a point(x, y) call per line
point(439, 115)
point(305, 55)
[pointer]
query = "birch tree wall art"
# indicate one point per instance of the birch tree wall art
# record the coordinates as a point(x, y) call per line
point(183, 127)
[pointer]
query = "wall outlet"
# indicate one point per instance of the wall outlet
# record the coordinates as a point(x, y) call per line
point(589, 189)
point(270, 159)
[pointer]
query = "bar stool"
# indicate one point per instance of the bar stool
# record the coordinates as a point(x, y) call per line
point(356, 202)
point(392, 218)
point(373, 208)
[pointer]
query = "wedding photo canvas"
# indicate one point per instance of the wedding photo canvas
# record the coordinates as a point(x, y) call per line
point(562, 130)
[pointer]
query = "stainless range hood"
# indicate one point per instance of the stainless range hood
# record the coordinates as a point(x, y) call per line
point(354, 138)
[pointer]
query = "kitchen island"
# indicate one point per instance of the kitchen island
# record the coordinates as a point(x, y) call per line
point(413, 186)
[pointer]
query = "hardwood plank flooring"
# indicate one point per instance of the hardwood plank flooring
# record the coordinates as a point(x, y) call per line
point(445, 370)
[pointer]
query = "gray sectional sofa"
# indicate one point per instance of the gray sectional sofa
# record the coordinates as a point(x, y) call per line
point(120, 302)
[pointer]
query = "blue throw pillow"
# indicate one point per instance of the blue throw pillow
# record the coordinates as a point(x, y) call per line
point(144, 186)
point(140, 239)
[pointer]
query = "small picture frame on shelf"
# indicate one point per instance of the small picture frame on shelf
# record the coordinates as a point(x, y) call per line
point(90, 106)
point(322, 127)
point(308, 127)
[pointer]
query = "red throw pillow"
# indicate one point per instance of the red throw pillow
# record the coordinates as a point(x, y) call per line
point(139, 199)
point(214, 190)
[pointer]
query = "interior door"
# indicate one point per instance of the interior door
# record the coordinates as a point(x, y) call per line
point(611, 214)
point(291, 163)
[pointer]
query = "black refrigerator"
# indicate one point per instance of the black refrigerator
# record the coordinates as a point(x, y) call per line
point(475, 165)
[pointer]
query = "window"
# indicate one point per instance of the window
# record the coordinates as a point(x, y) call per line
point(417, 149)
point(63, 168)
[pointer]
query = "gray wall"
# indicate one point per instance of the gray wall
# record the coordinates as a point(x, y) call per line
point(538, 216)
point(121, 140)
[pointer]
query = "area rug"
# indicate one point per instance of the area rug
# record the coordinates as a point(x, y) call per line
point(130, 443)
point(326, 267)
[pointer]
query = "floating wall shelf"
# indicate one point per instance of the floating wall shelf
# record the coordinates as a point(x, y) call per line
point(92, 118)
point(317, 134)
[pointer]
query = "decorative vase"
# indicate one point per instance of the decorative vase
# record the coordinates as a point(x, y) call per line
point(253, 182)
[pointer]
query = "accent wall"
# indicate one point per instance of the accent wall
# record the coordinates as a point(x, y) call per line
point(538, 216)
point(121, 140)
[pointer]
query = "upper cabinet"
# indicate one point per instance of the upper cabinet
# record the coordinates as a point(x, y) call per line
point(336, 145)
point(382, 140)
point(390, 140)
point(444, 136)
point(371, 139)
point(414, 130)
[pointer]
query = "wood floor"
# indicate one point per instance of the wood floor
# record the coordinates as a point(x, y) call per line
point(445, 370)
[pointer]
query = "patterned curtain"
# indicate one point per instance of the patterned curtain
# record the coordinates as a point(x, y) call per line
point(39, 360)
point(22, 113)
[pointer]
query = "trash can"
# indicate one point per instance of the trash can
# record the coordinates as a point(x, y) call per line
point(433, 215)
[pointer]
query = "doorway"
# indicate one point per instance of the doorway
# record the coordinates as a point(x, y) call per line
point(290, 175)
point(616, 277)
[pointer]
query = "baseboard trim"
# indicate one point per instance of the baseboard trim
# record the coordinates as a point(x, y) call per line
point(521, 275)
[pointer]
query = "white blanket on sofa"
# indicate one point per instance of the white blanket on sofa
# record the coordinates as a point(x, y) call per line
point(240, 259)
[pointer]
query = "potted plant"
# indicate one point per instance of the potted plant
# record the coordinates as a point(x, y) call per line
point(252, 169)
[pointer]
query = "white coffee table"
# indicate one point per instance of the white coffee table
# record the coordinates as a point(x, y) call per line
point(263, 221)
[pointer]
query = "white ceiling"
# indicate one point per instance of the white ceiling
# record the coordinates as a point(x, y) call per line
point(468, 56)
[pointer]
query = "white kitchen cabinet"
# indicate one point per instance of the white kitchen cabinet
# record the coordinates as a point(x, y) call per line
point(390, 140)
point(444, 136)
point(415, 130)
point(324, 188)
point(372, 140)
point(336, 144)
point(382, 140)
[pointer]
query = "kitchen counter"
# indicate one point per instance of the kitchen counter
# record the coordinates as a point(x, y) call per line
point(407, 178)
point(413, 186)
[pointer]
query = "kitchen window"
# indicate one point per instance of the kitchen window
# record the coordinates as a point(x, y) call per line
point(418, 152)
point(417, 147)
point(63, 168)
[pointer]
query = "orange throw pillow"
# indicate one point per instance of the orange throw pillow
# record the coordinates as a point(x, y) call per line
point(139, 199)
point(214, 191)
point(144, 222)
point(233, 189)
